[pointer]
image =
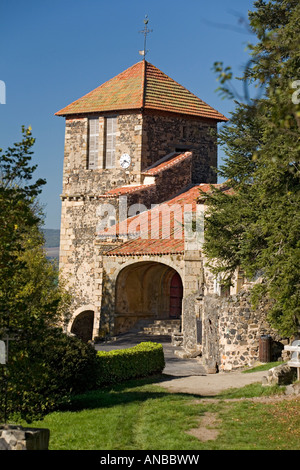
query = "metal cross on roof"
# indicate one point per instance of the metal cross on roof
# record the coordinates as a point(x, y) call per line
point(145, 32)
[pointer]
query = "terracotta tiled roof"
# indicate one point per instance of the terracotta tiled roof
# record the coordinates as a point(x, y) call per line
point(150, 233)
point(125, 91)
point(163, 93)
point(142, 86)
point(164, 164)
point(127, 190)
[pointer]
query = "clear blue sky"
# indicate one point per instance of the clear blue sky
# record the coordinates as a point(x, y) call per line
point(53, 52)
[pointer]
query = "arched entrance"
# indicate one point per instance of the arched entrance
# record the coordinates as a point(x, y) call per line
point(83, 324)
point(147, 291)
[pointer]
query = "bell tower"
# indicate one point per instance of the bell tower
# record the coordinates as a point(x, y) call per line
point(140, 133)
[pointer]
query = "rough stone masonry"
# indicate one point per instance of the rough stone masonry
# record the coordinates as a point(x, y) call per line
point(168, 136)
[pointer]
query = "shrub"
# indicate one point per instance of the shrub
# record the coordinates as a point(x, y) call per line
point(139, 361)
point(46, 372)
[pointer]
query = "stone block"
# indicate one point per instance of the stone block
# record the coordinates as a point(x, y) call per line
point(19, 438)
point(280, 375)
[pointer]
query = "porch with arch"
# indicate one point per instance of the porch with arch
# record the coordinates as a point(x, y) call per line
point(141, 290)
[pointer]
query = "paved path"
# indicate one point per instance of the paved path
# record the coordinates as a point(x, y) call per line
point(211, 384)
point(185, 375)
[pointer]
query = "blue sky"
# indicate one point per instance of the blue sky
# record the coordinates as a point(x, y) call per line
point(52, 53)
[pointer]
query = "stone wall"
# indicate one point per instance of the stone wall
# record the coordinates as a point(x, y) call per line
point(232, 330)
point(146, 136)
point(165, 185)
point(77, 179)
point(189, 325)
point(77, 254)
point(165, 133)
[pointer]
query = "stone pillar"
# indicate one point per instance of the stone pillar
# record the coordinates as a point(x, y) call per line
point(210, 333)
point(189, 326)
point(98, 292)
point(193, 274)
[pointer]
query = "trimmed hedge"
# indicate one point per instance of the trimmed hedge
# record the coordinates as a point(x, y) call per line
point(124, 364)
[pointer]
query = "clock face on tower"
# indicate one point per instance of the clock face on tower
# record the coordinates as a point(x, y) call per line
point(125, 160)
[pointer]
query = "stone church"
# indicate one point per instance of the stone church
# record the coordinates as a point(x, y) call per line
point(139, 151)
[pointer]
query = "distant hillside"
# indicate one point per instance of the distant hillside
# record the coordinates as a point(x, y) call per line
point(51, 237)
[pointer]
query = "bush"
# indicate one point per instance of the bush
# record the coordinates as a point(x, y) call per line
point(46, 372)
point(124, 364)
point(71, 363)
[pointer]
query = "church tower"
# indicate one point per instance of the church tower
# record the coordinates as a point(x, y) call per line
point(141, 113)
point(141, 134)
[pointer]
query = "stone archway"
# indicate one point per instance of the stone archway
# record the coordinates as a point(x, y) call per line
point(143, 292)
point(83, 324)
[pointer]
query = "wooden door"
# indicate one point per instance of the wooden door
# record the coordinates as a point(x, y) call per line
point(176, 292)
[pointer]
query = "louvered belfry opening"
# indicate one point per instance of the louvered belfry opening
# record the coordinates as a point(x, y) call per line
point(110, 141)
point(93, 143)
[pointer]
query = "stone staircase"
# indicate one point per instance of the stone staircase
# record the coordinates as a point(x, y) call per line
point(158, 327)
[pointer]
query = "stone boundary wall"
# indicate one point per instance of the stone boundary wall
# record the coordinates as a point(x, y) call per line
point(232, 330)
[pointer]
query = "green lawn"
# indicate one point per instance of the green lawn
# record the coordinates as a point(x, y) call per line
point(140, 415)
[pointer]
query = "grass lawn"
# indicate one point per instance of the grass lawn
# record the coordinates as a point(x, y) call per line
point(140, 415)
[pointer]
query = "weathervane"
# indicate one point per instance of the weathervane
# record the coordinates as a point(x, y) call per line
point(145, 32)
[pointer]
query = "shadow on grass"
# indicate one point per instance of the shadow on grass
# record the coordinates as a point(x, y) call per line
point(123, 393)
point(143, 389)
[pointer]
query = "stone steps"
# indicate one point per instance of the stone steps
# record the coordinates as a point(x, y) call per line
point(159, 327)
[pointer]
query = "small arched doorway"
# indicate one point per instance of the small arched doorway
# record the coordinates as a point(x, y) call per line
point(176, 294)
point(83, 324)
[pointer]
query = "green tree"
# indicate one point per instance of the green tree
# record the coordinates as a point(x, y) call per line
point(16, 215)
point(44, 364)
point(29, 294)
point(256, 226)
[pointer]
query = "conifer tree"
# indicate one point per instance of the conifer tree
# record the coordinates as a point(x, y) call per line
point(256, 227)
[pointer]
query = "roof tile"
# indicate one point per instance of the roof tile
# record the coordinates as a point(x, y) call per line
point(150, 233)
point(142, 86)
